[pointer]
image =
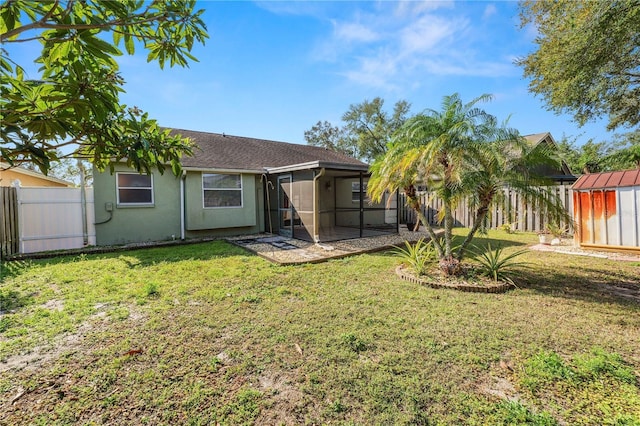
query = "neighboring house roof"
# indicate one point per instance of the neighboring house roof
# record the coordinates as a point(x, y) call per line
point(227, 152)
point(608, 180)
point(538, 138)
point(31, 178)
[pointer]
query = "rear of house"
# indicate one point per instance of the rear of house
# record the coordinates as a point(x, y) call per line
point(236, 186)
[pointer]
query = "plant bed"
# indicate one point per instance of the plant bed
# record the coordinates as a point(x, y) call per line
point(468, 281)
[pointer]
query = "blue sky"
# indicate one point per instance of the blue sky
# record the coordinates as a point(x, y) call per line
point(273, 69)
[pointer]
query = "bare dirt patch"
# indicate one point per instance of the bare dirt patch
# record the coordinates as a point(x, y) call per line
point(66, 343)
point(54, 305)
point(499, 387)
point(284, 398)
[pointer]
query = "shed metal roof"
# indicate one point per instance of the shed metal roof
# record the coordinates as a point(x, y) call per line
point(608, 180)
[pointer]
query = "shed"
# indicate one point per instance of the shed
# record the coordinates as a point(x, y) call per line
point(607, 210)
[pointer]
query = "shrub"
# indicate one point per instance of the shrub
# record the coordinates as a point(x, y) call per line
point(495, 263)
point(417, 256)
point(508, 228)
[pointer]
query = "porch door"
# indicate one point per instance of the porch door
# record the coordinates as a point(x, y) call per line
point(285, 209)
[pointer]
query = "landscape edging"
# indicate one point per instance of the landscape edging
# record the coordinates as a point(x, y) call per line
point(494, 288)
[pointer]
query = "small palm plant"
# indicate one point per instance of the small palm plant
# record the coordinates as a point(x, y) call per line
point(495, 263)
point(417, 256)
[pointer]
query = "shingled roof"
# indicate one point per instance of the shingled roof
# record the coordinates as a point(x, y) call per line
point(227, 152)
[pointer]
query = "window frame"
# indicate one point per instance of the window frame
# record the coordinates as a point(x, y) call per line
point(128, 204)
point(354, 191)
point(241, 189)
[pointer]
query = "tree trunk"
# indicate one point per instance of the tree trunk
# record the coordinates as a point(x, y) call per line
point(448, 229)
point(481, 213)
point(414, 203)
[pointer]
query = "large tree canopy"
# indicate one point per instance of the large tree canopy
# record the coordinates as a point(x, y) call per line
point(588, 58)
point(622, 153)
point(366, 132)
point(73, 106)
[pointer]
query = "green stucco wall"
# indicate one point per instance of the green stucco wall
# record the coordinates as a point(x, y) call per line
point(161, 221)
point(137, 224)
point(199, 218)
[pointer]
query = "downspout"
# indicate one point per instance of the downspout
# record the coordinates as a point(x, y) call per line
point(182, 179)
point(316, 206)
point(361, 205)
point(398, 211)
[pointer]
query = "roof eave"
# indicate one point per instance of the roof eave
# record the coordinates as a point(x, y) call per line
point(318, 165)
point(27, 172)
point(221, 170)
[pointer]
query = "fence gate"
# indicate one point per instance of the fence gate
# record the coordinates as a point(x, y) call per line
point(9, 230)
point(52, 219)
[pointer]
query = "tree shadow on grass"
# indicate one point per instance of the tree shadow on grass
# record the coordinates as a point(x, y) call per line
point(586, 284)
point(481, 241)
point(10, 269)
point(11, 300)
point(135, 258)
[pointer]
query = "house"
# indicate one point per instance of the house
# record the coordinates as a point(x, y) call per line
point(25, 177)
point(559, 176)
point(236, 185)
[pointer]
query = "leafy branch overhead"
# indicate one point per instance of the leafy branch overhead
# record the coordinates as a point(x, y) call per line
point(73, 105)
point(587, 60)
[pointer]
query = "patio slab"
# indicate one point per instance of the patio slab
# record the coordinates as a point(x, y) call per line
point(289, 251)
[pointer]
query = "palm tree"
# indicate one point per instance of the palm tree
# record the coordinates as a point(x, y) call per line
point(510, 162)
point(460, 151)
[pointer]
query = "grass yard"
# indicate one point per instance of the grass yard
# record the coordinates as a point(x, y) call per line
point(208, 333)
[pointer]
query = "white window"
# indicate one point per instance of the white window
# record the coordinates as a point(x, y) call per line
point(355, 192)
point(134, 189)
point(221, 190)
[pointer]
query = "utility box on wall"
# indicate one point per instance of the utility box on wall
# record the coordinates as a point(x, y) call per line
point(607, 210)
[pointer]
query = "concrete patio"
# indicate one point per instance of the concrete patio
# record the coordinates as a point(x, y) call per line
point(289, 251)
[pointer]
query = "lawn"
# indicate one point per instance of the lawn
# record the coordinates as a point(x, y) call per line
point(208, 333)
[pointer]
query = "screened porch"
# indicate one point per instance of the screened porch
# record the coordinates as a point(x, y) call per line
point(323, 205)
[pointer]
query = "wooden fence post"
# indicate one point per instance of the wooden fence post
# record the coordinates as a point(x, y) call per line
point(9, 238)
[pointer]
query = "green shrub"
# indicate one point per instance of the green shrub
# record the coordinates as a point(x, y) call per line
point(495, 264)
point(508, 228)
point(417, 256)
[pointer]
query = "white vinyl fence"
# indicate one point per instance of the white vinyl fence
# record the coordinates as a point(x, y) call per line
point(52, 219)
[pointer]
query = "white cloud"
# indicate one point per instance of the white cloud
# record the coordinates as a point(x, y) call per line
point(392, 44)
point(375, 71)
point(353, 32)
point(427, 33)
point(489, 11)
point(412, 8)
point(300, 8)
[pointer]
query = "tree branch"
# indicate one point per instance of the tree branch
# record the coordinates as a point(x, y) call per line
point(5, 38)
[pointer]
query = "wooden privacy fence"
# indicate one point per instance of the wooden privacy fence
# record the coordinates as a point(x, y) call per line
point(515, 211)
point(9, 228)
